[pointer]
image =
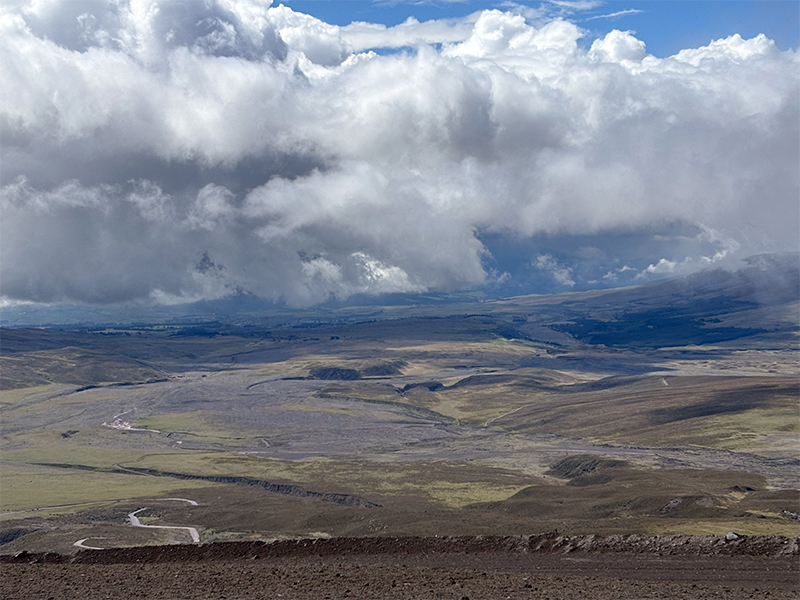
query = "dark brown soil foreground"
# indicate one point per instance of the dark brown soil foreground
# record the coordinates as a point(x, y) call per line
point(536, 567)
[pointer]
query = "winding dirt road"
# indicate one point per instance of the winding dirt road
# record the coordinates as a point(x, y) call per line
point(134, 520)
point(80, 544)
point(137, 523)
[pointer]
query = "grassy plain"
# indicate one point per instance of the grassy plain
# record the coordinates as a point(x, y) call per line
point(30, 486)
point(411, 420)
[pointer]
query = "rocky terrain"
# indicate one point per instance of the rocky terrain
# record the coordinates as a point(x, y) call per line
point(522, 567)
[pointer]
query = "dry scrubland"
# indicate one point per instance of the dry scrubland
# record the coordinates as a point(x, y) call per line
point(572, 414)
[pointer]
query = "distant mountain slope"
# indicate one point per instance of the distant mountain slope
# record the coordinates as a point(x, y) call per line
point(757, 304)
point(71, 365)
point(764, 280)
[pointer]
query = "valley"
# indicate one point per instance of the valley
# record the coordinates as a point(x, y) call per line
point(492, 418)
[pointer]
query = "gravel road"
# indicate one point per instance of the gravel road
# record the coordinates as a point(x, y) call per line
point(137, 523)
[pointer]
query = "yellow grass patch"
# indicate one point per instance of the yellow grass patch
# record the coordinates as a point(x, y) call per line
point(8, 397)
point(748, 526)
point(31, 486)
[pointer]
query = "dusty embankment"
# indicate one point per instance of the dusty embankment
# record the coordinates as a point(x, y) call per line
point(522, 567)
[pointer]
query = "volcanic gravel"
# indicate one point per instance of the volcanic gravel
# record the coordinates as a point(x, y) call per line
point(536, 567)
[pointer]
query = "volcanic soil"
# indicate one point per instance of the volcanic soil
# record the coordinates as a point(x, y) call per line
point(536, 567)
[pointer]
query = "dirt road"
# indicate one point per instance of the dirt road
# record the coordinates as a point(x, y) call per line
point(137, 523)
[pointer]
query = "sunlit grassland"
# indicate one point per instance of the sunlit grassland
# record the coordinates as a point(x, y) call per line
point(95, 445)
point(337, 409)
point(485, 406)
point(427, 357)
point(646, 411)
point(449, 484)
point(200, 425)
point(50, 398)
point(500, 392)
point(471, 407)
point(751, 526)
point(768, 431)
point(729, 413)
point(11, 397)
point(195, 421)
point(421, 358)
point(49, 447)
point(27, 486)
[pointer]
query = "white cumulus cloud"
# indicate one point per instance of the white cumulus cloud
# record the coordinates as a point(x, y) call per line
point(180, 150)
point(561, 273)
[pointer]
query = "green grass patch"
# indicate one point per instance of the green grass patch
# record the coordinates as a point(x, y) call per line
point(448, 484)
point(26, 487)
point(206, 425)
point(12, 396)
point(55, 449)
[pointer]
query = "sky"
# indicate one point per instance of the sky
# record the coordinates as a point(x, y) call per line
point(168, 152)
point(666, 26)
